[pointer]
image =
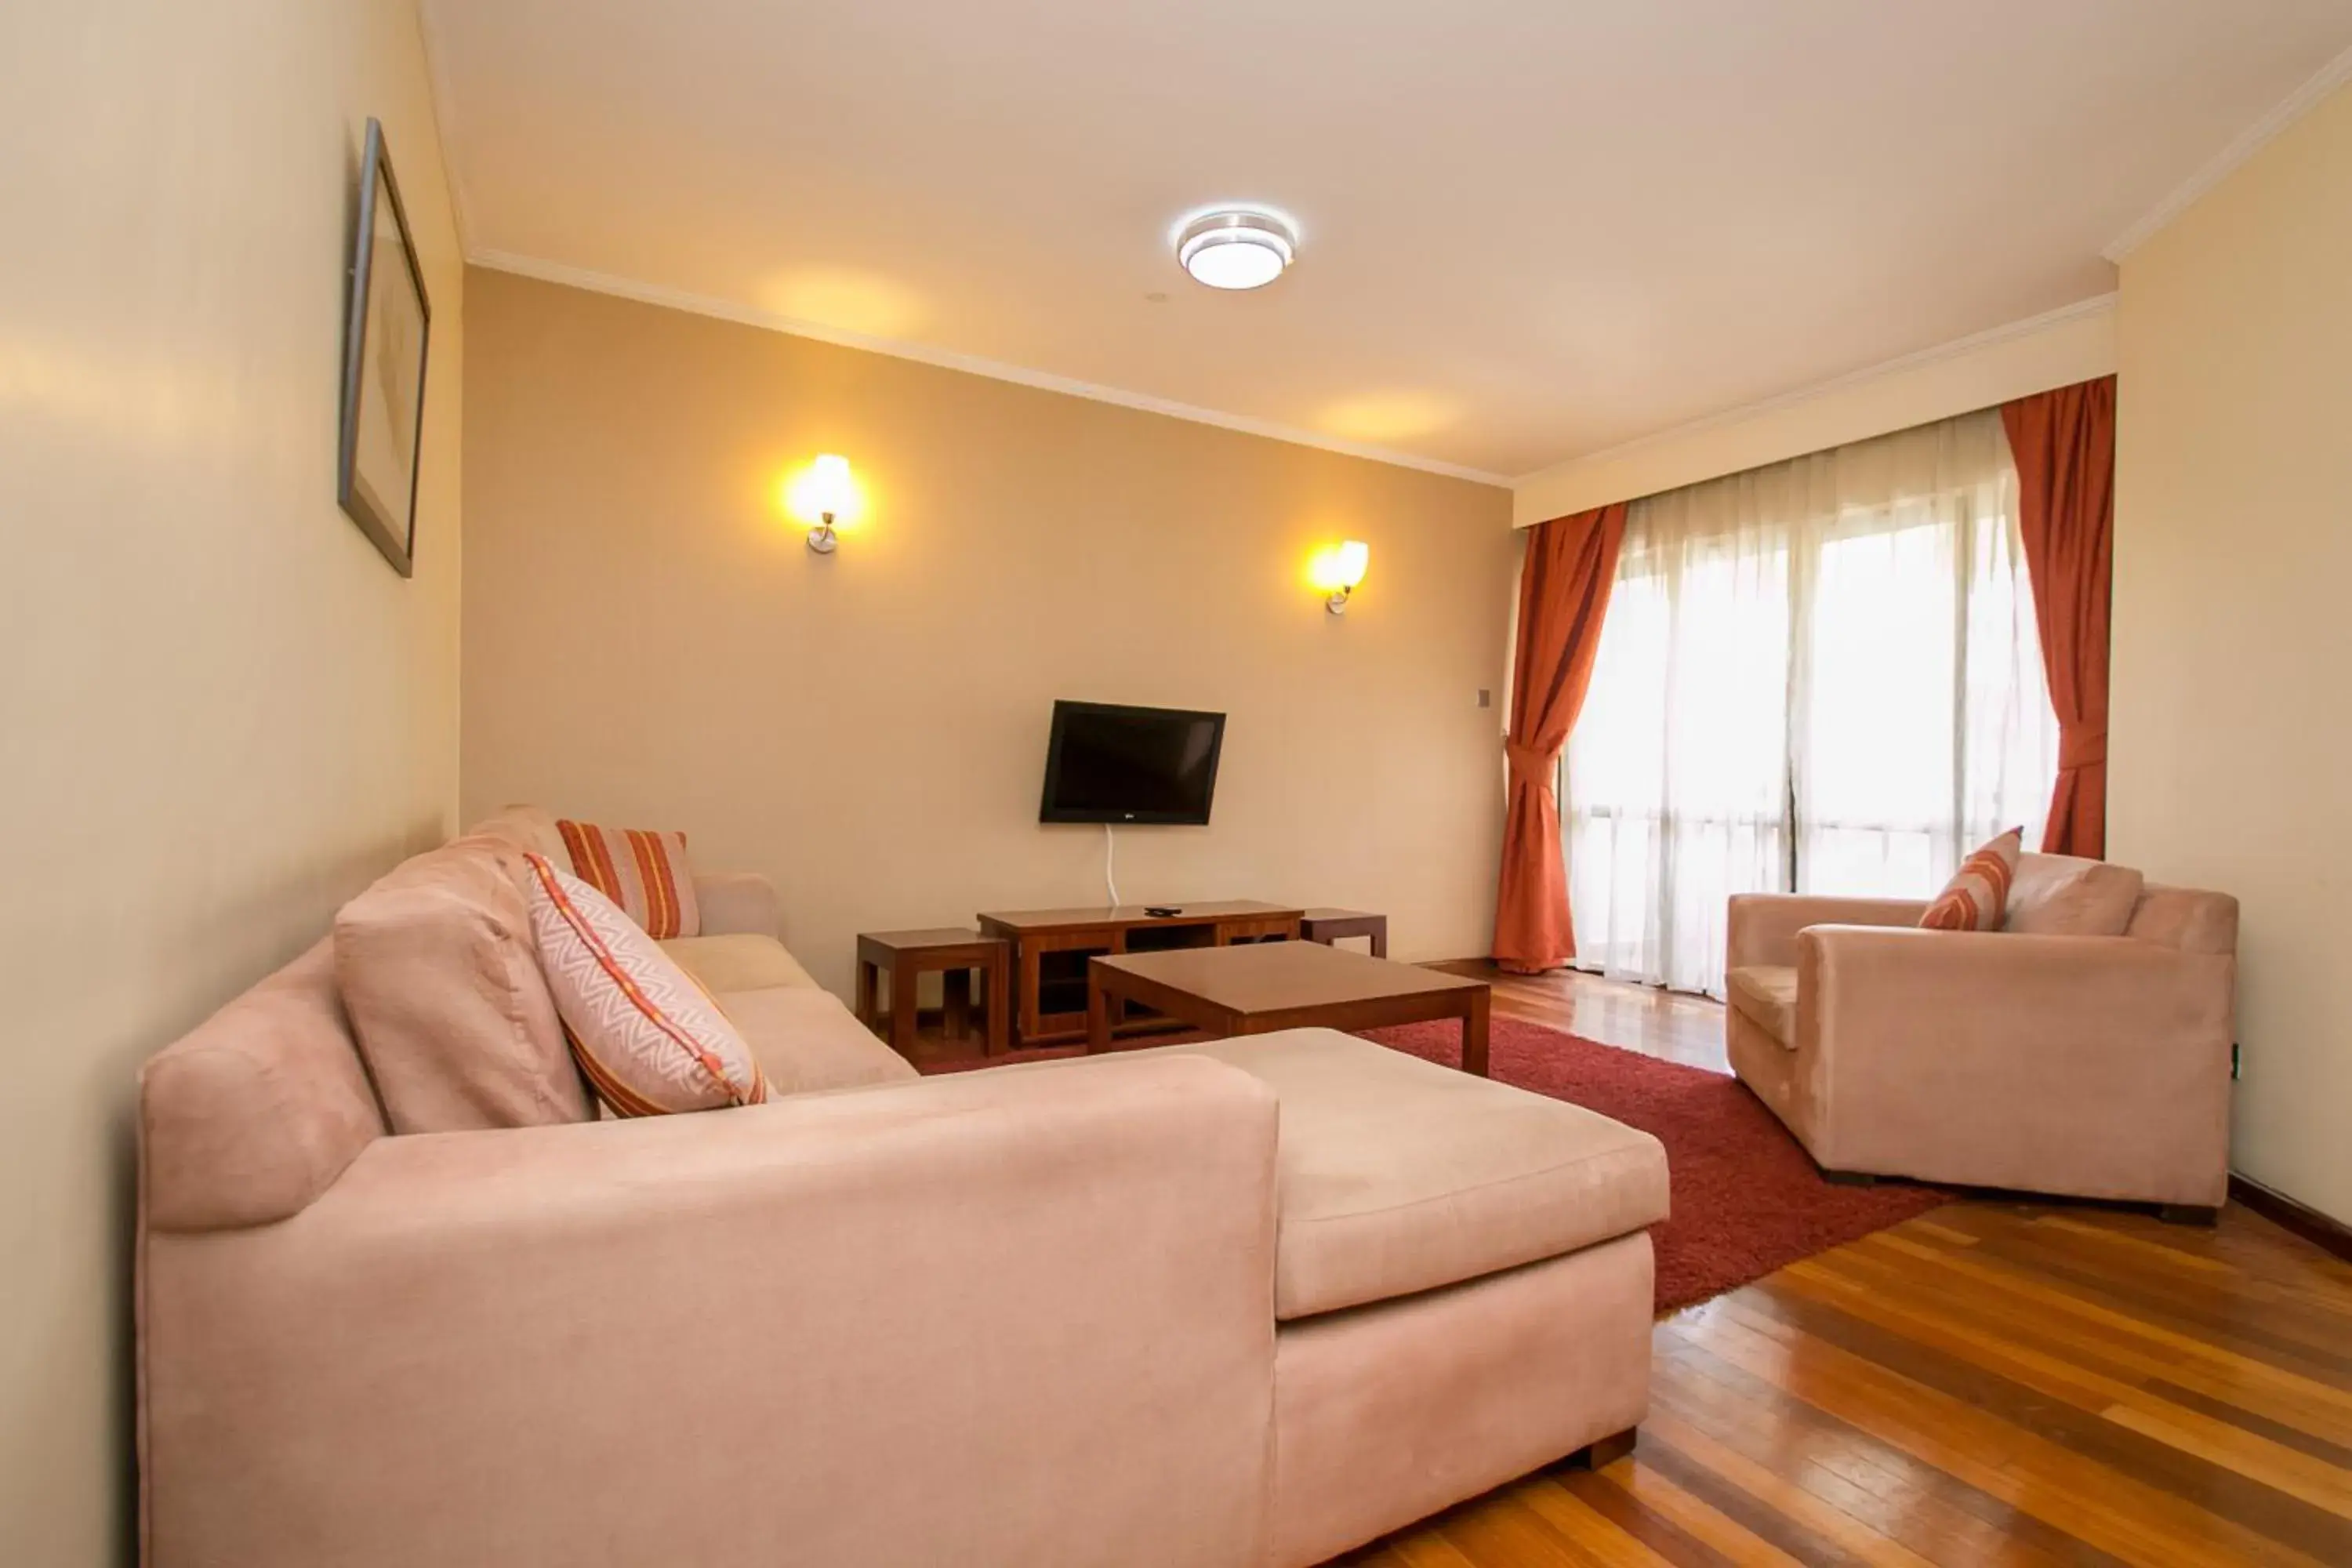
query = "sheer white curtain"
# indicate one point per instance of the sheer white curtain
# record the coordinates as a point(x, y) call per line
point(1822, 675)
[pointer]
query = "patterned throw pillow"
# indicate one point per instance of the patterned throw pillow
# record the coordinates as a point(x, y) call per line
point(650, 1040)
point(1976, 896)
point(645, 873)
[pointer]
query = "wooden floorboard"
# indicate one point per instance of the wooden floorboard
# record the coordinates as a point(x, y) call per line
point(1994, 1383)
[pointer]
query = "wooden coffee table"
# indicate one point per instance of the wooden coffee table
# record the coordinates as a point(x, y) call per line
point(1283, 985)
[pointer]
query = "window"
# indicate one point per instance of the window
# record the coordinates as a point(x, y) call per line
point(1820, 676)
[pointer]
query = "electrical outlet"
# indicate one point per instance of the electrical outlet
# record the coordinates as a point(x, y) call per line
point(1486, 698)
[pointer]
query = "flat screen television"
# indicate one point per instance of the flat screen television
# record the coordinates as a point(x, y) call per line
point(1109, 764)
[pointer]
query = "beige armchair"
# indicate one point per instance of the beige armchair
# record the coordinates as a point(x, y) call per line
point(2087, 1066)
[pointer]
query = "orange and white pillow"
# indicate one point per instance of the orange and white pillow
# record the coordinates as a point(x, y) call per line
point(644, 872)
point(1978, 893)
point(649, 1039)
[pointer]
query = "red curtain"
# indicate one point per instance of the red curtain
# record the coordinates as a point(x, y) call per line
point(2063, 443)
point(1564, 594)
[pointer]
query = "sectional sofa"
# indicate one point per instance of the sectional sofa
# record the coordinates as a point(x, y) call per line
point(1247, 1302)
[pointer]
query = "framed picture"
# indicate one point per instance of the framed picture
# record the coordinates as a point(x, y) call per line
point(389, 321)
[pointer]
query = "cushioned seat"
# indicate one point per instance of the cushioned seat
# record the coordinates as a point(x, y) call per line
point(1397, 1175)
point(739, 960)
point(1766, 995)
point(805, 1040)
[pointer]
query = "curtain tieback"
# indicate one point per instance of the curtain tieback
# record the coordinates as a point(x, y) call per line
point(2083, 748)
point(1528, 764)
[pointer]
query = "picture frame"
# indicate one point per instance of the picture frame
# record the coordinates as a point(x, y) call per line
point(388, 328)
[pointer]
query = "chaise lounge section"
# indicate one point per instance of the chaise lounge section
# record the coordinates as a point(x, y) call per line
point(1247, 1302)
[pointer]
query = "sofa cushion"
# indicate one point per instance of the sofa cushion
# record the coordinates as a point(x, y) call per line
point(1397, 1175)
point(2065, 895)
point(806, 1040)
point(1766, 995)
point(2188, 920)
point(641, 870)
point(740, 961)
point(440, 974)
point(651, 1040)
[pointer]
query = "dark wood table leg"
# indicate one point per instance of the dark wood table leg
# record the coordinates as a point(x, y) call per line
point(1098, 1011)
point(1473, 1033)
point(1380, 935)
point(1025, 1026)
point(866, 995)
point(955, 992)
point(997, 978)
point(902, 1009)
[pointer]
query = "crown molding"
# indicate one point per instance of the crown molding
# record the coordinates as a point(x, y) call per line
point(971, 364)
point(2096, 305)
point(2251, 140)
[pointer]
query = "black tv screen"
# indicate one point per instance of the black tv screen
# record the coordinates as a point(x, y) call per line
point(1108, 764)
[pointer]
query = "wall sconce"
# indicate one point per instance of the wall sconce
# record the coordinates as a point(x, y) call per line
point(822, 494)
point(1338, 568)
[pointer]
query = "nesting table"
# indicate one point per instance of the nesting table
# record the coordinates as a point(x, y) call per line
point(955, 953)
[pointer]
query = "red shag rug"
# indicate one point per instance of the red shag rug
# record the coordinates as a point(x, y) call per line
point(1746, 1197)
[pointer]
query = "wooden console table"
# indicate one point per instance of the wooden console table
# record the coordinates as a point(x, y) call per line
point(1051, 947)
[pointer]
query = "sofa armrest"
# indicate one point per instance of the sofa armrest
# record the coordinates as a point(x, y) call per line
point(2093, 1064)
point(1024, 1315)
point(738, 902)
point(1761, 928)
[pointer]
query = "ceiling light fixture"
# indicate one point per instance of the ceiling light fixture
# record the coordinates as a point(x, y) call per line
point(1236, 247)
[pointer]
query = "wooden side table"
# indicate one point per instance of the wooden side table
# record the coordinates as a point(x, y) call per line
point(955, 953)
point(1328, 926)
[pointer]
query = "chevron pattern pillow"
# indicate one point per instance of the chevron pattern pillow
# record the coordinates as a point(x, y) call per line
point(1978, 892)
point(649, 1039)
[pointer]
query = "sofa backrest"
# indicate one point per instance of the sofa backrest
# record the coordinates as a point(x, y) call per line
point(439, 975)
point(527, 827)
point(256, 1111)
point(2190, 920)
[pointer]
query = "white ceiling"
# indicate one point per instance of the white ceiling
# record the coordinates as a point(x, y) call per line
point(1531, 229)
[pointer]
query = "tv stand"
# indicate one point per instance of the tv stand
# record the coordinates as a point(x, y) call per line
point(1051, 947)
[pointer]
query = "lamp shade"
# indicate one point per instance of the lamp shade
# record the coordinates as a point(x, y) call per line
point(824, 490)
point(1338, 568)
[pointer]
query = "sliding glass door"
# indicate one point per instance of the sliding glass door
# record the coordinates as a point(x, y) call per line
point(1819, 676)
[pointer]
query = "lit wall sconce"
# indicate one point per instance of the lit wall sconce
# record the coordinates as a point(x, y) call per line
point(1338, 568)
point(821, 495)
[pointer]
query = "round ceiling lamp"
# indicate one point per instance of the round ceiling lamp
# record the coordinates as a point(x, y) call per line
point(1236, 247)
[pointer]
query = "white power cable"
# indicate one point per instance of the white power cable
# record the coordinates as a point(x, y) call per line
point(1111, 864)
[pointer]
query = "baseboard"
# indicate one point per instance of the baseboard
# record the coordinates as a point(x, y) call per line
point(2322, 1230)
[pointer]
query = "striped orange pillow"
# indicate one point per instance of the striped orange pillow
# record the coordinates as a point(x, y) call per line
point(646, 873)
point(1978, 893)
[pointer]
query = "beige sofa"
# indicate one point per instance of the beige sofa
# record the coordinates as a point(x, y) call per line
point(2084, 1065)
point(1247, 1302)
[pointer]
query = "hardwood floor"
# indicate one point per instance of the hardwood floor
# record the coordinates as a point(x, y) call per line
point(1646, 1018)
point(1993, 1383)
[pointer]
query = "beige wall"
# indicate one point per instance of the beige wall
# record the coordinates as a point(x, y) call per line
point(225, 713)
point(649, 643)
point(2231, 752)
point(2057, 350)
